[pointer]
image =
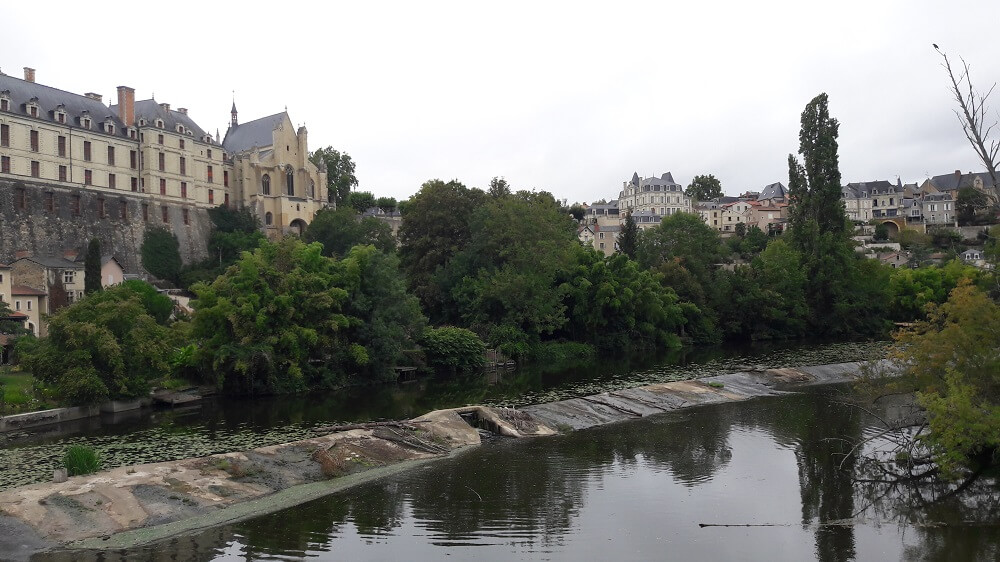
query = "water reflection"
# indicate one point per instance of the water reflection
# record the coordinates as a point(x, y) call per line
point(218, 426)
point(632, 491)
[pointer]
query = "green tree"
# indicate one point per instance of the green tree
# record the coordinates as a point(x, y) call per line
point(390, 318)
point(275, 322)
point(499, 188)
point(452, 349)
point(969, 203)
point(881, 232)
point(340, 178)
point(616, 305)
point(951, 359)
point(577, 211)
point(386, 204)
point(161, 254)
point(9, 324)
point(685, 237)
point(741, 229)
point(236, 230)
point(155, 303)
point(847, 293)
point(509, 272)
point(105, 347)
point(704, 188)
point(767, 300)
point(435, 228)
point(361, 201)
point(341, 229)
point(92, 267)
point(628, 240)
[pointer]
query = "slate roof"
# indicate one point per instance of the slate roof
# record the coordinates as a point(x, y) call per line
point(49, 98)
point(257, 133)
point(151, 110)
point(52, 262)
point(873, 187)
point(773, 191)
point(953, 182)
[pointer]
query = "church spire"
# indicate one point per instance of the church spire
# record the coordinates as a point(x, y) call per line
point(234, 121)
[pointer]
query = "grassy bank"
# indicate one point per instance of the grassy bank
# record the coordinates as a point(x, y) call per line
point(18, 393)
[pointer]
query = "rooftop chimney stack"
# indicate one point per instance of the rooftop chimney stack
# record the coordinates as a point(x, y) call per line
point(182, 110)
point(29, 74)
point(165, 106)
point(94, 96)
point(126, 105)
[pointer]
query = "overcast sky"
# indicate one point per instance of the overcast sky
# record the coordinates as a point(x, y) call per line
point(567, 97)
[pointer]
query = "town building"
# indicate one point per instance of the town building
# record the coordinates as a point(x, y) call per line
point(660, 196)
point(75, 168)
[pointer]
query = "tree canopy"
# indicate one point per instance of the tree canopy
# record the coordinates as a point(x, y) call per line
point(340, 178)
point(161, 254)
point(104, 347)
point(704, 188)
point(341, 229)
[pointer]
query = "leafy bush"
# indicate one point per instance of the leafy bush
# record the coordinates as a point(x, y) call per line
point(161, 254)
point(105, 347)
point(81, 459)
point(453, 349)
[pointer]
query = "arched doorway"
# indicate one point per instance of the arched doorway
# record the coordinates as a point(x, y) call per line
point(891, 228)
point(298, 226)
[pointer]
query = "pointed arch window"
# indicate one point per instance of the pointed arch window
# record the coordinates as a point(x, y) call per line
point(290, 181)
point(265, 184)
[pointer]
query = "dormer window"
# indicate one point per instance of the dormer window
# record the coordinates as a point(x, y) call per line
point(131, 132)
point(5, 100)
point(60, 114)
point(109, 127)
point(180, 128)
point(31, 108)
point(159, 123)
point(142, 122)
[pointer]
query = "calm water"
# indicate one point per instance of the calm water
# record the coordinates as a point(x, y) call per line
point(219, 426)
point(637, 490)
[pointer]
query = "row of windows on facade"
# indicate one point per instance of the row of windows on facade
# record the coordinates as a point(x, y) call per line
point(265, 184)
point(88, 179)
point(59, 116)
point(134, 158)
point(49, 206)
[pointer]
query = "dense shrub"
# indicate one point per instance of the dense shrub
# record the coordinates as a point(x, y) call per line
point(453, 349)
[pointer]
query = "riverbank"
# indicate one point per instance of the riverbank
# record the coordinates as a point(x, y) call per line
point(128, 506)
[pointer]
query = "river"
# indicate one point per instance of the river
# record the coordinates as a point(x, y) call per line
point(763, 479)
point(224, 424)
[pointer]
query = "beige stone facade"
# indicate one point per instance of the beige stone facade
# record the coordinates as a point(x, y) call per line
point(149, 150)
point(273, 174)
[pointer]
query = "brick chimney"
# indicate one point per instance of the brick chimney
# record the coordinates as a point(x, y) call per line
point(94, 96)
point(126, 105)
point(21, 254)
point(70, 254)
point(29, 74)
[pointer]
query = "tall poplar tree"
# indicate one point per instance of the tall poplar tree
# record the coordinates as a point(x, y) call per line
point(92, 267)
point(846, 294)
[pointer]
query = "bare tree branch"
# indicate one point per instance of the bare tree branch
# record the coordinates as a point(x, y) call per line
point(972, 116)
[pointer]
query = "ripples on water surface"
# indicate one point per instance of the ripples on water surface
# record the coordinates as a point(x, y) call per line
point(221, 426)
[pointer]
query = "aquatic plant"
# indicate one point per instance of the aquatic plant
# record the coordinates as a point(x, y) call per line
point(81, 459)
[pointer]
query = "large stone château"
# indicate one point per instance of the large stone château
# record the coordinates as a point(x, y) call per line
point(73, 168)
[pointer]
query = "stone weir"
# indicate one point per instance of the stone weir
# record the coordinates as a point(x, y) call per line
point(129, 506)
